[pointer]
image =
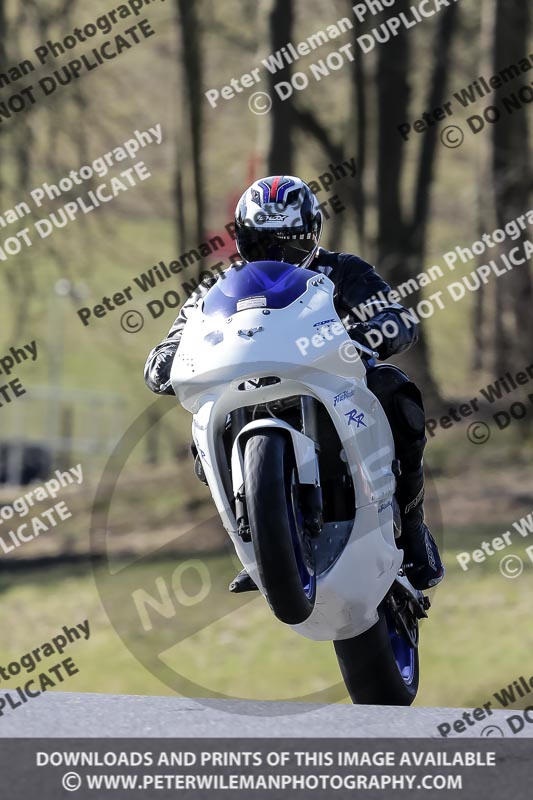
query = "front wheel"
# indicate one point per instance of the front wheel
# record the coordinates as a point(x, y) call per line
point(380, 666)
point(283, 549)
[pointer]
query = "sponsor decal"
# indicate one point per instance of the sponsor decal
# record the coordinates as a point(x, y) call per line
point(260, 218)
point(251, 302)
point(343, 396)
point(357, 417)
point(324, 322)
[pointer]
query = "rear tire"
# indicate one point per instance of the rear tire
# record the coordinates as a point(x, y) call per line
point(284, 552)
point(369, 669)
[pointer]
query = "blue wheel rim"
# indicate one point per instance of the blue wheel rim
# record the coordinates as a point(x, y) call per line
point(300, 540)
point(404, 653)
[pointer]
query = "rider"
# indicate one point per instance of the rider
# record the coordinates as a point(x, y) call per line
point(279, 219)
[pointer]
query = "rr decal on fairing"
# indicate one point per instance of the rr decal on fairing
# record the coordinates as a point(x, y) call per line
point(357, 417)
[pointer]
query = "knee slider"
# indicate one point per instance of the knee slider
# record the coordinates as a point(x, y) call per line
point(409, 407)
point(385, 380)
point(403, 405)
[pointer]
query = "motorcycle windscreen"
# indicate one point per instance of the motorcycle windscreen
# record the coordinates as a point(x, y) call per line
point(259, 284)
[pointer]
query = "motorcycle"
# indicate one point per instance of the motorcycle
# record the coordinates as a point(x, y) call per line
point(299, 458)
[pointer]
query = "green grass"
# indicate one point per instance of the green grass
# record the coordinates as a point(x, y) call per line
point(478, 637)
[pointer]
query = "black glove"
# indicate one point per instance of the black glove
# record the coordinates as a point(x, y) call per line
point(166, 388)
point(395, 338)
point(358, 333)
point(158, 366)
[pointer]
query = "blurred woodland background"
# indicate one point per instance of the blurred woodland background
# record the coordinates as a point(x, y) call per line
point(409, 203)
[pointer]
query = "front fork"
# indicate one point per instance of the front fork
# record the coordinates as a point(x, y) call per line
point(309, 496)
point(238, 421)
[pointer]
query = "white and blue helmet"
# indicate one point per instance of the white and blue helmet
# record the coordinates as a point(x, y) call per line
point(278, 219)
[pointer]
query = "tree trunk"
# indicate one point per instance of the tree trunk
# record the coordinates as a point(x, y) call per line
point(401, 240)
point(512, 183)
point(281, 151)
point(393, 102)
point(190, 139)
point(360, 129)
point(3, 65)
point(483, 311)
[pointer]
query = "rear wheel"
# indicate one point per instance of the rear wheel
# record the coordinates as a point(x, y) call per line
point(380, 667)
point(283, 549)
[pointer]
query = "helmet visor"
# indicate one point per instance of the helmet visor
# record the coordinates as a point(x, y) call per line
point(292, 248)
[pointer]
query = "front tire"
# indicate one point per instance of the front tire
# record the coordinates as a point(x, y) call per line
point(283, 550)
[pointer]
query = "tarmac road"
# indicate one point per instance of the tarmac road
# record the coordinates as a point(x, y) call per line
point(63, 714)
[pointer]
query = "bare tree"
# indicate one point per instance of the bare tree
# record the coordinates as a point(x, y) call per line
point(511, 173)
point(191, 134)
point(280, 154)
point(3, 65)
point(359, 122)
point(482, 323)
point(402, 234)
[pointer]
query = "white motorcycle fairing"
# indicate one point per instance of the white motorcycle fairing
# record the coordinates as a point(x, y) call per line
point(217, 358)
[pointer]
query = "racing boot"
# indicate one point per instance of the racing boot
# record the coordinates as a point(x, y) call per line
point(199, 470)
point(242, 583)
point(422, 563)
point(198, 466)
